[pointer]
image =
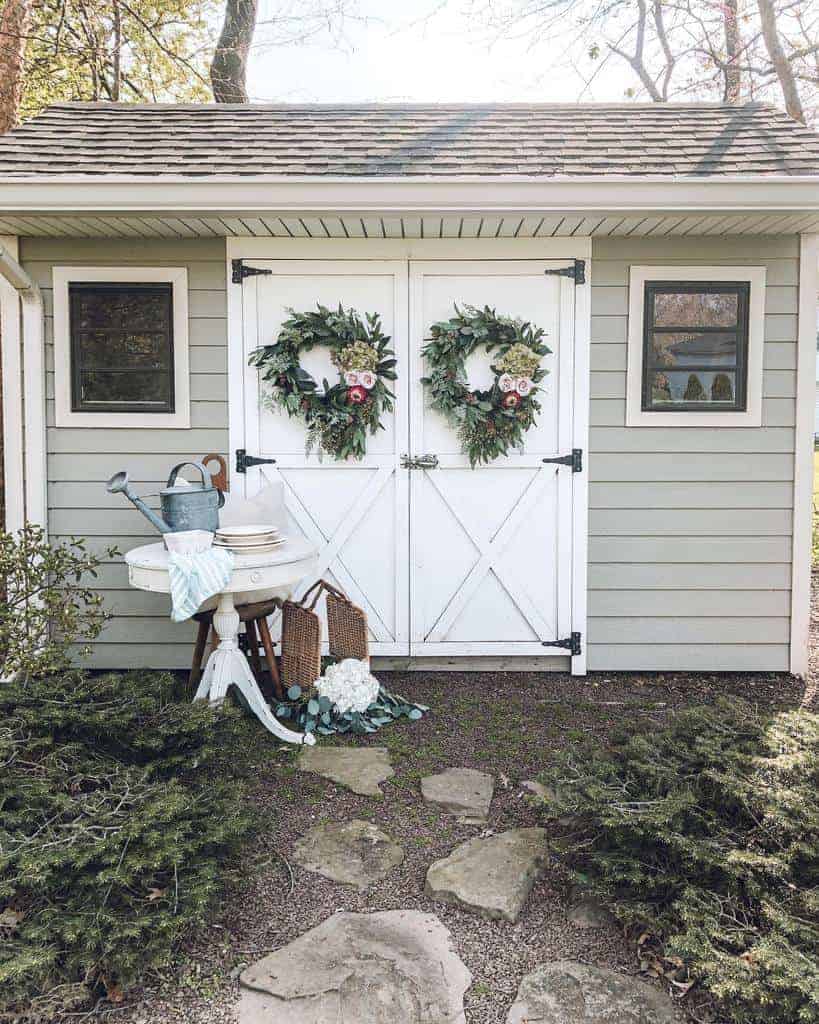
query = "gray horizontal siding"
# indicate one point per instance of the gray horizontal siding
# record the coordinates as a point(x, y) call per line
point(690, 528)
point(80, 460)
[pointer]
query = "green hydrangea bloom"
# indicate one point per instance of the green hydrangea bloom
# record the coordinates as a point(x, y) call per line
point(358, 356)
point(519, 361)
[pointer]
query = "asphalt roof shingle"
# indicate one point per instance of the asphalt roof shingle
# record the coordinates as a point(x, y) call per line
point(532, 140)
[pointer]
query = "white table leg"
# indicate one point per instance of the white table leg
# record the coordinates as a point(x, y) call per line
point(227, 666)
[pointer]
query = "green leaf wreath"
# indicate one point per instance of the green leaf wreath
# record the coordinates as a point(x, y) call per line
point(340, 416)
point(489, 423)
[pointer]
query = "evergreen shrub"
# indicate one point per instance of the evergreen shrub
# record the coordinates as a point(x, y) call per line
point(119, 806)
point(705, 834)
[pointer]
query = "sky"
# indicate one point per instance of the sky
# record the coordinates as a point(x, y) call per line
point(417, 50)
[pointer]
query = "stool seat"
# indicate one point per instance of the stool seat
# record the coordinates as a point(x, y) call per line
point(254, 616)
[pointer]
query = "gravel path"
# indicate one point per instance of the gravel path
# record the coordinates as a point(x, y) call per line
point(506, 724)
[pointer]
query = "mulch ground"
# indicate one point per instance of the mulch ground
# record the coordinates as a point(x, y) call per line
point(506, 724)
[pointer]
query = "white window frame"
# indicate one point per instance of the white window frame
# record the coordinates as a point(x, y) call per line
point(751, 416)
point(177, 277)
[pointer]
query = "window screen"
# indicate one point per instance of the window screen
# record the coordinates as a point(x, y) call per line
point(121, 347)
point(695, 346)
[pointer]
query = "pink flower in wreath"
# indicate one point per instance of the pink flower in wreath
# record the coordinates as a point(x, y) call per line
point(357, 395)
point(511, 401)
point(506, 383)
point(525, 385)
point(351, 378)
point(366, 378)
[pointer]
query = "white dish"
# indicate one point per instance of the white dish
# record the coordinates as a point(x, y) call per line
point(188, 542)
point(260, 549)
point(262, 542)
point(255, 529)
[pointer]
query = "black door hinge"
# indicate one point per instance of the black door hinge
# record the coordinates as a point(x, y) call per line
point(575, 460)
point(577, 271)
point(240, 271)
point(570, 644)
point(243, 461)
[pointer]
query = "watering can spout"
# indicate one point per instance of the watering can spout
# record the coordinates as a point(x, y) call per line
point(118, 484)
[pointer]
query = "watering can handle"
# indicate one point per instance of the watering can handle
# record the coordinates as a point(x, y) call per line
point(206, 480)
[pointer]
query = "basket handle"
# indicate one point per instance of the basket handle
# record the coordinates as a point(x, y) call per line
point(318, 587)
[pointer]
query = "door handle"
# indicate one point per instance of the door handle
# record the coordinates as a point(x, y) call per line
point(419, 461)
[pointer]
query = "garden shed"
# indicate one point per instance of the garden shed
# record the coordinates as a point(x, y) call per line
point(657, 515)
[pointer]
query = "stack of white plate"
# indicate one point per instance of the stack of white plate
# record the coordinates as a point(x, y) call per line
point(255, 539)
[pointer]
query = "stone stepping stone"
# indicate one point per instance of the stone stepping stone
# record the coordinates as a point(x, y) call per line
point(360, 769)
point(392, 967)
point(491, 876)
point(565, 992)
point(351, 852)
point(464, 792)
point(589, 912)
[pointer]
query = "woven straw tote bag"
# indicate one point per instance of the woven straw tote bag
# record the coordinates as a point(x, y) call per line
point(346, 626)
point(301, 640)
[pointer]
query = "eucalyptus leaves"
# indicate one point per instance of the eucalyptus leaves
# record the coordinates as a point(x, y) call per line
point(347, 698)
point(340, 416)
point(490, 422)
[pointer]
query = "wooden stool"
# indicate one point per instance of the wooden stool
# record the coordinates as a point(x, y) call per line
point(254, 617)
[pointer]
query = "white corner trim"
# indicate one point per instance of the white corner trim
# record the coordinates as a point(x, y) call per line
point(752, 415)
point(12, 371)
point(64, 416)
point(580, 481)
point(803, 458)
point(34, 417)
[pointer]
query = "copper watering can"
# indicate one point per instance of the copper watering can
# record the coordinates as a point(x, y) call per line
point(184, 506)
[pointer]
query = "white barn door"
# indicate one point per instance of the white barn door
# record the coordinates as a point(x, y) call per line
point(355, 512)
point(491, 548)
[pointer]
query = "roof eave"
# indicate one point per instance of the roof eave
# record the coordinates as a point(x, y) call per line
point(461, 194)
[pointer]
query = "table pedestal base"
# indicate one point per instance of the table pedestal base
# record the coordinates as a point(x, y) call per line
point(227, 666)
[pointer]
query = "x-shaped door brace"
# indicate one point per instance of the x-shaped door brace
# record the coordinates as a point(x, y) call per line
point(330, 547)
point(490, 560)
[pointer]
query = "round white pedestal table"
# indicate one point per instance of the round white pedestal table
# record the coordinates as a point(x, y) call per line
point(276, 573)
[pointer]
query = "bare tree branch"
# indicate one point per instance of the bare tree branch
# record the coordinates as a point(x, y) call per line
point(784, 71)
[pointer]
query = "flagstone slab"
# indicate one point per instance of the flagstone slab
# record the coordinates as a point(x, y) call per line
point(490, 876)
point(589, 912)
point(351, 852)
point(565, 992)
point(360, 769)
point(464, 792)
point(391, 967)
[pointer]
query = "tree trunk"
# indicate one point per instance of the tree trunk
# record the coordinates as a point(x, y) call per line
point(781, 64)
point(228, 70)
point(733, 48)
point(14, 26)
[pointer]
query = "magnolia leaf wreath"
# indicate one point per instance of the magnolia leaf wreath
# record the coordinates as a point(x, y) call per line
point(491, 422)
point(340, 416)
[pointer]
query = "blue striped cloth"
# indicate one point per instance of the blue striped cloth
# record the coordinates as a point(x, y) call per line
point(196, 577)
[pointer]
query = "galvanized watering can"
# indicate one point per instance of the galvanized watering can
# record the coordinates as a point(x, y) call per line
point(184, 506)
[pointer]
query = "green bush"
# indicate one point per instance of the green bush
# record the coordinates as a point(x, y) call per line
point(118, 807)
point(49, 611)
point(706, 834)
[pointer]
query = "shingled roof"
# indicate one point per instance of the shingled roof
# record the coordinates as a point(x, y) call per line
point(531, 140)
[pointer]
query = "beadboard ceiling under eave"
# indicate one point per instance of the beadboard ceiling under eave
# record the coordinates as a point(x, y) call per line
point(255, 225)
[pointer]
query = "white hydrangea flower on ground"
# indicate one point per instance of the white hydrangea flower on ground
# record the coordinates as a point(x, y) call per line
point(349, 684)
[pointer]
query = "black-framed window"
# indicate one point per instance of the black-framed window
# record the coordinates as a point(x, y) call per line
point(122, 356)
point(695, 346)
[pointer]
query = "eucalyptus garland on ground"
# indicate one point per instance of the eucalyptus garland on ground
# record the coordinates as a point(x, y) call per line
point(347, 698)
point(491, 422)
point(340, 416)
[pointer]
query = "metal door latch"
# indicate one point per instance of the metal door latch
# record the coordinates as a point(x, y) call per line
point(244, 461)
point(419, 461)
